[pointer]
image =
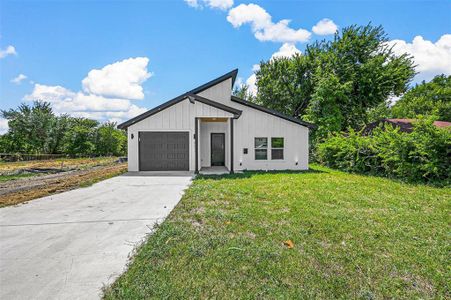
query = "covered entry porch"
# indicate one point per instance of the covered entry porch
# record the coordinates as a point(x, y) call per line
point(215, 170)
point(214, 145)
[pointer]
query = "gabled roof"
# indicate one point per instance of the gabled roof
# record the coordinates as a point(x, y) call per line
point(272, 112)
point(177, 99)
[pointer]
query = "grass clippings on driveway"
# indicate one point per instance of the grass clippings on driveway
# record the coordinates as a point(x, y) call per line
point(353, 236)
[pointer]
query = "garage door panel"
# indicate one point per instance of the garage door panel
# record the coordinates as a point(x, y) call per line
point(164, 151)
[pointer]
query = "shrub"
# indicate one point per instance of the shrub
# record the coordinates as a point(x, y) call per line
point(423, 155)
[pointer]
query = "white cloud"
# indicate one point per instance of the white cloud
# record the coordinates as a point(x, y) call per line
point(325, 27)
point(393, 99)
point(48, 93)
point(80, 104)
point(3, 126)
point(99, 100)
point(287, 50)
point(121, 79)
point(220, 4)
point(89, 102)
point(263, 27)
point(10, 50)
point(249, 13)
point(114, 116)
point(251, 82)
point(255, 67)
point(19, 79)
point(431, 58)
point(192, 3)
point(239, 81)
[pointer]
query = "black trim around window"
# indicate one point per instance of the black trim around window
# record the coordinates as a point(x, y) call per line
point(262, 149)
point(277, 148)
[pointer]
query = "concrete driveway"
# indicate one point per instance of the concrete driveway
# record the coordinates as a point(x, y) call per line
point(68, 246)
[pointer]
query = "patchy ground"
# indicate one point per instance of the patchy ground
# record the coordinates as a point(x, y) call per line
point(320, 234)
point(24, 181)
point(55, 165)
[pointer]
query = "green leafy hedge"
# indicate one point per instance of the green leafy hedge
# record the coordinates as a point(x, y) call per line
point(423, 155)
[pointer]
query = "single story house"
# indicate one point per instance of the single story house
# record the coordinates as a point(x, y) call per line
point(404, 125)
point(209, 128)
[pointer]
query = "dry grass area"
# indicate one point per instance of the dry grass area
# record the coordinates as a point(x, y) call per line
point(76, 173)
point(8, 168)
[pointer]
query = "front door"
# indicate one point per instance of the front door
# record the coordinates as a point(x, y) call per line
point(217, 149)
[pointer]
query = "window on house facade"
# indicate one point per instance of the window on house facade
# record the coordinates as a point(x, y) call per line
point(261, 148)
point(277, 145)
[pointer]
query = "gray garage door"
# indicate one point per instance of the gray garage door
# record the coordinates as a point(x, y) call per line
point(163, 151)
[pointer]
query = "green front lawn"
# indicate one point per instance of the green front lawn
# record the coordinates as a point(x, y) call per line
point(354, 237)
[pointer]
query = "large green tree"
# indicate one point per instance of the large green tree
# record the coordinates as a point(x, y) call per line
point(428, 99)
point(79, 140)
point(35, 129)
point(336, 83)
point(243, 91)
point(286, 84)
point(109, 140)
point(29, 128)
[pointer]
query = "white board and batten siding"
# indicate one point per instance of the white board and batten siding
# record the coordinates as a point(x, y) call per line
point(255, 123)
point(251, 124)
point(178, 117)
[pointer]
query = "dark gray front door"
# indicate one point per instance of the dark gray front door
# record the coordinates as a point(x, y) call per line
point(163, 151)
point(217, 149)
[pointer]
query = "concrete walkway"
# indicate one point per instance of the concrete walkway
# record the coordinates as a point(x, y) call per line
point(68, 246)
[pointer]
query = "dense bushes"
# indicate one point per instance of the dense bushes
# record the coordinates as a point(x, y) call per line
point(423, 155)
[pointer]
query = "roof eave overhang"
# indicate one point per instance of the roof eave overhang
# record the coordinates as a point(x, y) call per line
point(235, 112)
point(272, 112)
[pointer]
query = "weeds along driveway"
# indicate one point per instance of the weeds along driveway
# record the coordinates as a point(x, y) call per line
point(69, 245)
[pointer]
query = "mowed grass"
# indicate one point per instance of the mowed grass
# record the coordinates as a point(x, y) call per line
point(354, 237)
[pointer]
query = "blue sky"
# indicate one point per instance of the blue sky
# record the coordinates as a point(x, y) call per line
point(55, 44)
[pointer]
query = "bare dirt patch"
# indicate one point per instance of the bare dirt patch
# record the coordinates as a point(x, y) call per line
point(53, 166)
point(25, 189)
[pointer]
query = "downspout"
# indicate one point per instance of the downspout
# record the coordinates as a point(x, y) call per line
point(196, 144)
point(231, 145)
